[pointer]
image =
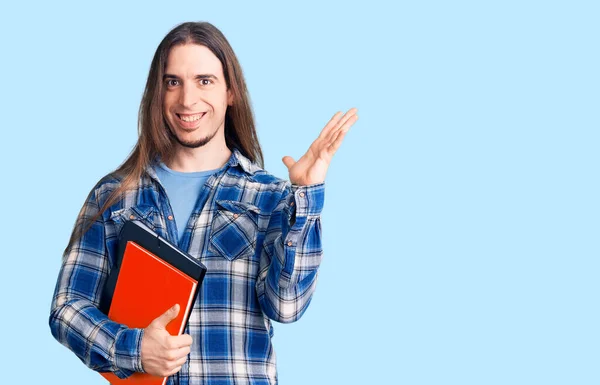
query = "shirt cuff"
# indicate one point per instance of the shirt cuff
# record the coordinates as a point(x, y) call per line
point(309, 199)
point(128, 352)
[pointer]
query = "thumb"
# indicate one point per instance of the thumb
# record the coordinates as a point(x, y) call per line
point(163, 320)
point(288, 161)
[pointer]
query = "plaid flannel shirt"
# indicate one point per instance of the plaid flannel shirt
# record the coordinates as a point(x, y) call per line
point(259, 237)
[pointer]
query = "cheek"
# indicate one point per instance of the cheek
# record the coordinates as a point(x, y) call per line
point(221, 104)
point(219, 100)
point(167, 103)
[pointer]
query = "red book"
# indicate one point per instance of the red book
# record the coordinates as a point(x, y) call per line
point(145, 284)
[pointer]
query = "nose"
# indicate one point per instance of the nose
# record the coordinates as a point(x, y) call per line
point(189, 95)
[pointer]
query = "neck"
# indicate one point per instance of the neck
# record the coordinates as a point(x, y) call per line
point(211, 156)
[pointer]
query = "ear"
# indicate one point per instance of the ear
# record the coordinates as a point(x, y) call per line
point(229, 97)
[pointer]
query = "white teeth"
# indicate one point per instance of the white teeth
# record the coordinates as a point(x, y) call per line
point(190, 118)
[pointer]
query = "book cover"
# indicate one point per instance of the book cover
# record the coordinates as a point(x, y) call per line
point(147, 287)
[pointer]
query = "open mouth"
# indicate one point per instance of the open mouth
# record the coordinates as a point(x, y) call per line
point(190, 118)
point(190, 121)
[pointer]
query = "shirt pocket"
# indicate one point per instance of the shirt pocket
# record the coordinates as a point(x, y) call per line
point(146, 214)
point(234, 229)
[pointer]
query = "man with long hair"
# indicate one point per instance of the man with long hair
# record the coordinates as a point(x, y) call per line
point(196, 177)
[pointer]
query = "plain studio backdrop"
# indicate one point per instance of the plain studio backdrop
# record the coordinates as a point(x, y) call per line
point(461, 212)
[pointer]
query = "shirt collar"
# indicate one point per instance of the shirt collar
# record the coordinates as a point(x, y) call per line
point(236, 159)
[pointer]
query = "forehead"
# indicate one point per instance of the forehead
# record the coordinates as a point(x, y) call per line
point(191, 59)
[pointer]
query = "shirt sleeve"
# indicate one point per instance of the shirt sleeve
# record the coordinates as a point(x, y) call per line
point(292, 253)
point(75, 320)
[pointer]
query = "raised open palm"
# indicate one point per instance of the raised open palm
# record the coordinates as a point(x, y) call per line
point(312, 167)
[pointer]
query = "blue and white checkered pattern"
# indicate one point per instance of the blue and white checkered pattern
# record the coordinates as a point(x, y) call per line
point(259, 237)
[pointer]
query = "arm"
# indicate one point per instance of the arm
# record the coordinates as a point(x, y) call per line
point(75, 320)
point(291, 253)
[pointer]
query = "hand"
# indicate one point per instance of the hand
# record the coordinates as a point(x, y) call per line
point(164, 354)
point(312, 167)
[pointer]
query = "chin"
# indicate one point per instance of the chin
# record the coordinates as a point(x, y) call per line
point(193, 141)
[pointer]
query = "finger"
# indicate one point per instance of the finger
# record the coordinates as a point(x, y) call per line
point(343, 128)
point(336, 143)
point(330, 125)
point(182, 352)
point(333, 147)
point(173, 371)
point(343, 121)
point(163, 320)
point(333, 132)
point(288, 161)
point(179, 361)
point(179, 357)
point(181, 341)
point(173, 366)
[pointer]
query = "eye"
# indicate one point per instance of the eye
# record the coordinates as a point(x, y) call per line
point(170, 82)
point(208, 82)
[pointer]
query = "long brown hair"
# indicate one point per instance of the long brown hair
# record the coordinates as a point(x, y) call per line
point(154, 139)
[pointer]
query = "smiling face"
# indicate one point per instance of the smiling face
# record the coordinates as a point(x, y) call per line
point(196, 96)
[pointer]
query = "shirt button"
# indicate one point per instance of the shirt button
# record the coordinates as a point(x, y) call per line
point(170, 217)
point(236, 215)
point(132, 216)
point(301, 195)
point(289, 243)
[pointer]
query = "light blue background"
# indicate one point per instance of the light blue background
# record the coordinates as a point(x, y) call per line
point(461, 216)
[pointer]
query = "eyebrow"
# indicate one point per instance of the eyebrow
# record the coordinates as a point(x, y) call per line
point(197, 77)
